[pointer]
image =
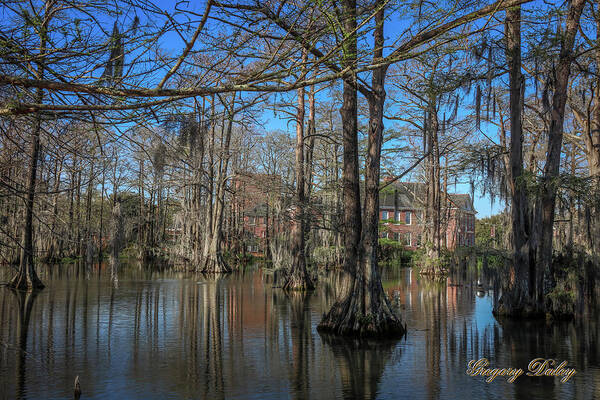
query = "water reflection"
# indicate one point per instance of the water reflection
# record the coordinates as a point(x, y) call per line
point(169, 334)
point(25, 302)
point(361, 364)
point(302, 344)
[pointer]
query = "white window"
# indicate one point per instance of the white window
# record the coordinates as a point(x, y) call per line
point(397, 217)
point(384, 215)
point(407, 217)
point(407, 238)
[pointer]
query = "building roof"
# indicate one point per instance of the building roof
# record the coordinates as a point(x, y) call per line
point(462, 201)
point(412, 195)
point(403, 195)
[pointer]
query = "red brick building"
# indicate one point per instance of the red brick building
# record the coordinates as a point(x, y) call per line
point(401, 212)
point(460, 230)
point(254, 196)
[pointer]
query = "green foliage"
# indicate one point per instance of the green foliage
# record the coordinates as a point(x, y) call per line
point(239, 259)
point(484, 227)
point(393, 252)
point(572, 268)
point(422, 261)
point(562, 300)
point(129, 252)
point(495, 262)
point(383, 227)
point(390, 243)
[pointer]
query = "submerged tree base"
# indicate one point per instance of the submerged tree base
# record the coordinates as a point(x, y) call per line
point(24, 281)
point(520, 313)
point(434, 272)
point(509, 308)
point(555, 312)
point(298, 281)
point(378, 320)
point(431, 263)
point(215, 265)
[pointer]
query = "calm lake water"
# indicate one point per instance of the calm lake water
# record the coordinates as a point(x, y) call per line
point(169, 335)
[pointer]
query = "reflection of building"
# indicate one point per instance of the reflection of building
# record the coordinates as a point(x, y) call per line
point(454, 297)
point(401, 210)
point(248, 305)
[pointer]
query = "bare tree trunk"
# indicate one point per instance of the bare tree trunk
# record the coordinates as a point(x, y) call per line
point(350, 174)
point(333, 321)
point(89, 251)
point(26, 277)
point(515, 299)
point(298, 278)
point(375, 305)
point(433, 198)
point(592, 141)
point(53, 251)
point(101, 234)
point(364, 310)
point(117, 241)
point(444, 209)
point(572, 197)
point(555, 139)
point(209, 209)
point(213, 261)
point(142, 216)
point(197, 188)
point(310, 143)
point(436, 200)
point(78, 214)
